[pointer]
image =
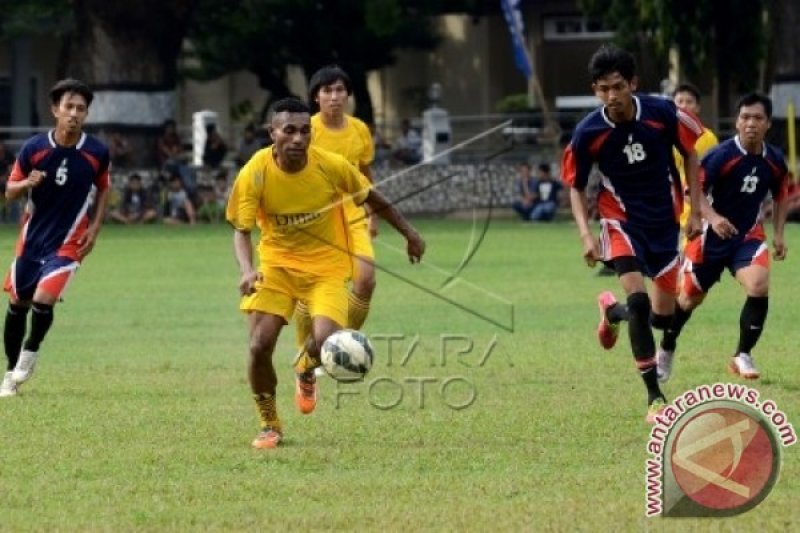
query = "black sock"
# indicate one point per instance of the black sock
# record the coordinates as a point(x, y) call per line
point(751, 322)
point(642, 343)
point(617, 313)
point(650, 378)
point(41, 320)
point(671, 334)
point(14, 332)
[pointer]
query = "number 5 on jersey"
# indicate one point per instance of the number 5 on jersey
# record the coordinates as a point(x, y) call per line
point(61, 173)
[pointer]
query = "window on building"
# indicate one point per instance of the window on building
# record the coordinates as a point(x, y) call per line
point(574, 28)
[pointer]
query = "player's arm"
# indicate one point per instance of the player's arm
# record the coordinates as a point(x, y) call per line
point(366, 169)
point(694, 226)
point(102, 183)
point(575, 174)
point(779, 211)
point(243, 251)
point(707, 176)
point(20, 181)
point(379, 205)
point(240, 212)
point(87, 241)
point(579, 204)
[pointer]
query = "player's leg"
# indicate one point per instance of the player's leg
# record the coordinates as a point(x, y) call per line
point(614, 243)
point(640, 333)
point(328, 305)
point(360, 295)
point(269, 308)
point(361, 292)
point(264, 331)
point(20, 284)
point(754, 279)
point(696, 280)
point(56, 275)
point(363, 275)
point(302, 322)
point(14, 332)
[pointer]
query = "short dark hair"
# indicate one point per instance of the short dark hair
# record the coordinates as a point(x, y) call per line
point(326, 76)
point(609, 59)
point(755, 98)
point(544, 167)
point(291, 104)
point(70, 85)
point(687, 88)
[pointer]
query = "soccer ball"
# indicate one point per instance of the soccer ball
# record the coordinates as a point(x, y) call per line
point(347, 355)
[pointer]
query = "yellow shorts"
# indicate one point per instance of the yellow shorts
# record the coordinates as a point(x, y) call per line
point(362, 243)
point(280, 289)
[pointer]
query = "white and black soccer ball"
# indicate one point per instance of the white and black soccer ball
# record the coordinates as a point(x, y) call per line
point(347, 355)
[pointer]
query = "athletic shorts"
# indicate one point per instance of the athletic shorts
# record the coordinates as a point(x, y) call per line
point(700, 276)
point(281, 288)
point(656, 250)
point(362, 243)
point(52, 275)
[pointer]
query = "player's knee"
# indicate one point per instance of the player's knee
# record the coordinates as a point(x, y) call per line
point(639, 305)
point(261, 346)
point(688, 302)
point(364, 286)
point(757, 288)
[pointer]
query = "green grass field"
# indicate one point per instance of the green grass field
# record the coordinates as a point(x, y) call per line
point(140, 416)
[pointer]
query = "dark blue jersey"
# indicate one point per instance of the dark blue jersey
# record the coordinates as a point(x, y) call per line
point(737, 183)
point(56, 216)
point(639, 183)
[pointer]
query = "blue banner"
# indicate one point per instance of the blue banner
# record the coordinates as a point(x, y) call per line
point(517, 28)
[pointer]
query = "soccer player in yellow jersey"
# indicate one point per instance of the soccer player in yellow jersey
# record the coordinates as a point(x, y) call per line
point(335, 130)
point(296, 191)
point(687, 98)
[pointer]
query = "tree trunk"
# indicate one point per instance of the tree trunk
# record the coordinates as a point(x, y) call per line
point(127, 52)
point(275, 85)
point(364, 109)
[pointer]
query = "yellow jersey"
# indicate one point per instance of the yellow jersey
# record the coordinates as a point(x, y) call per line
point(299, 214)
point(703, 144)
point(353, 142)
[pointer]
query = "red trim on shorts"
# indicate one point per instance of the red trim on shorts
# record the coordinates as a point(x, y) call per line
point(55, 283)
point(609, 207)
point(668, 280)
point(691, 287)
point(761, 258)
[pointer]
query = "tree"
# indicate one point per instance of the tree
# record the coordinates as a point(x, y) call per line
point(726, 36)
point(264, 36)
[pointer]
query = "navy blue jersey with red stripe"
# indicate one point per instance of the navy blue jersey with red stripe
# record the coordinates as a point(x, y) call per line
point(639, 182)
point(737, 182)
point(56, 216)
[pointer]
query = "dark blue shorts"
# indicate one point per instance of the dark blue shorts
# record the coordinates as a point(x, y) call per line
point(52, 274)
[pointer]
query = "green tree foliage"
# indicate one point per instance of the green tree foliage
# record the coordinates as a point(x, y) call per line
point(264, 36)
point(727, 37)
point(35, 17)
